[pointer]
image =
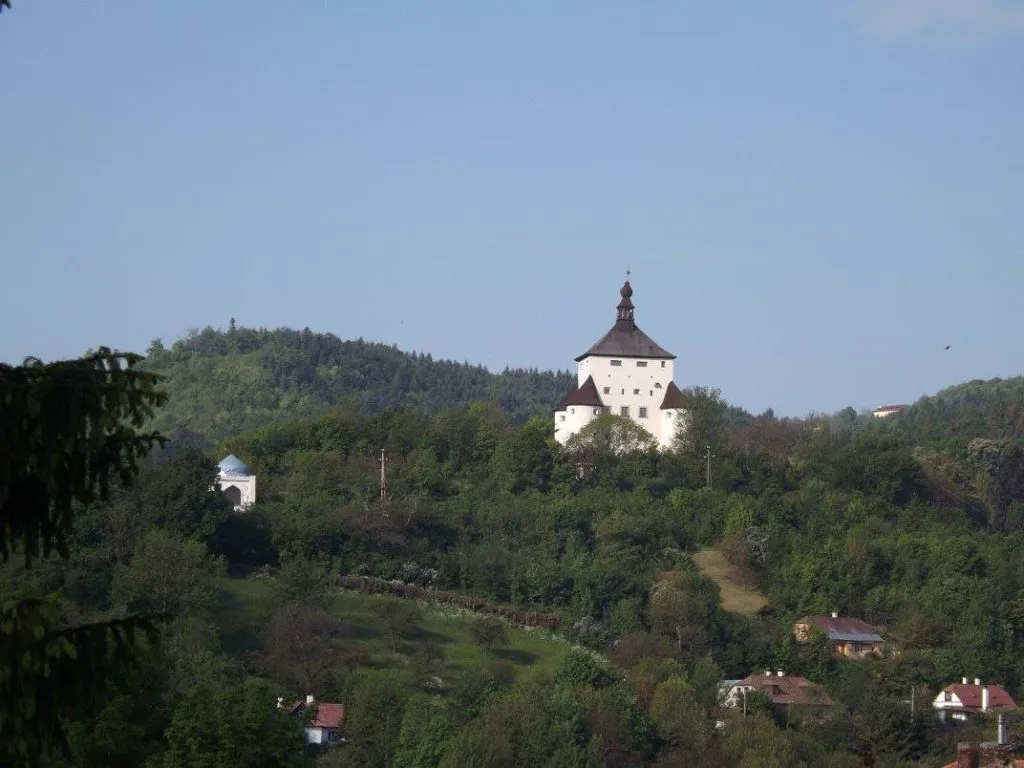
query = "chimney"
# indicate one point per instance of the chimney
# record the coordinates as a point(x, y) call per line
point(767, 673)
point(984, 699)
point(835, 614)
point(1001, 720)
point(966, 681)
point(309, 698)
point(780, 673)
point(967, 755)
point(977, 681)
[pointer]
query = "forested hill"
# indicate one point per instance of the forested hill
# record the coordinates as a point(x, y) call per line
point(990, 409)
point(224, 382)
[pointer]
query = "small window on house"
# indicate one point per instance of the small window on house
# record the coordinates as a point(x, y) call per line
point(641, 363)
point(572, 410)
point(624, 411)
point(643, 413)
point(597, 411)
point(561, 417)
point(616, 362)
point(636, 391)
point(662, 363)
point(607, 390)
point(652, 393)
point(657, 385)
point(622, 391)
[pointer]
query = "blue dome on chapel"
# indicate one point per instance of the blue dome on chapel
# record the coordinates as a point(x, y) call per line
point(232, 465)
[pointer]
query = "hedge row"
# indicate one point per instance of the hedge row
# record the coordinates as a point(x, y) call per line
point(374, 586)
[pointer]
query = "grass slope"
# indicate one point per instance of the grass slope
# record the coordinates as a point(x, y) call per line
point(245, 607)
point(736, 598)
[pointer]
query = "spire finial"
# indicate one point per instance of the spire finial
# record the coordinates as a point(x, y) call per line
point(624, 312)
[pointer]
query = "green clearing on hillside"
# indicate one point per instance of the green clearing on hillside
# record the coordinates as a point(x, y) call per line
point(245, 605)
point(736, 598)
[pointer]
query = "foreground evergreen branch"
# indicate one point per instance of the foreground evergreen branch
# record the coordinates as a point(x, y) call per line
point(66, 429)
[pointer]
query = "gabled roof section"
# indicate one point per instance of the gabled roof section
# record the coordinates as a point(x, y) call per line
point(329, 715)
point(844, 628)
point(585, 395)
point(788, 689)
point(625, 339)
point(970, 696)
point(673, 397)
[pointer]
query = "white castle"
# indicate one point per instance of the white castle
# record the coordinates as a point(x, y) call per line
point(627, 374)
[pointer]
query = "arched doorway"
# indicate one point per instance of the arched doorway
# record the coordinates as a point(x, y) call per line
point(234, 494)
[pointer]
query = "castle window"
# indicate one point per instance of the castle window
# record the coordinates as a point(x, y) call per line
point(616, 362)
point(607, 390)
point(662, 363)
point(652, 393)
point(641, 363)
point(636, 391)
point(561, 417)
point(657, 385)
point(572, 410)
point(643, 413)
point(625, 410)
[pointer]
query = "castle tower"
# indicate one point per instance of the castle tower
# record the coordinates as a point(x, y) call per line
point(625, 373)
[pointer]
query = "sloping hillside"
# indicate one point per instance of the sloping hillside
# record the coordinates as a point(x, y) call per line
point(224, 382)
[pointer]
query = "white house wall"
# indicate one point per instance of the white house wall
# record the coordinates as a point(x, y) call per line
point(633, 383)
point(246, 485)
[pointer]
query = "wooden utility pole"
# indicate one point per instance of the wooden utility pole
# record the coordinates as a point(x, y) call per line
point(383, 480)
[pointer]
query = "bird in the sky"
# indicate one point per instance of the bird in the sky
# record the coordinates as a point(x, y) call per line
point(948, 346)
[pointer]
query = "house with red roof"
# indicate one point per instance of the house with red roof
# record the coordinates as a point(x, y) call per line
point(959, 701)
point(325, 727)
point(852, 638)
point(783, 690)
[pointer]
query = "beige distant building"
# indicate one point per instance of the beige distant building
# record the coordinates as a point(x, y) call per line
point(884, 411)
point(851, 638)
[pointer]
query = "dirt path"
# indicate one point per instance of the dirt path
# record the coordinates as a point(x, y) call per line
point(735, 597)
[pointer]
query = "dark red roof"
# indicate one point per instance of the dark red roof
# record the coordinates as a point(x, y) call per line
point(329, 715)
point(970, 696)
point(673, 397)
point(585, 395)
point(789, 689)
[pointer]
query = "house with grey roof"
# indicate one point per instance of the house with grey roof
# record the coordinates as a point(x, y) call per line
point(852, 638)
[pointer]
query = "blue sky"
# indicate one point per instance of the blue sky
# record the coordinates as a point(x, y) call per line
point(814, 198)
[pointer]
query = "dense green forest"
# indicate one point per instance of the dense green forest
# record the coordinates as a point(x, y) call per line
point(993, 409)
point(224, 382)
point(913, 523)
